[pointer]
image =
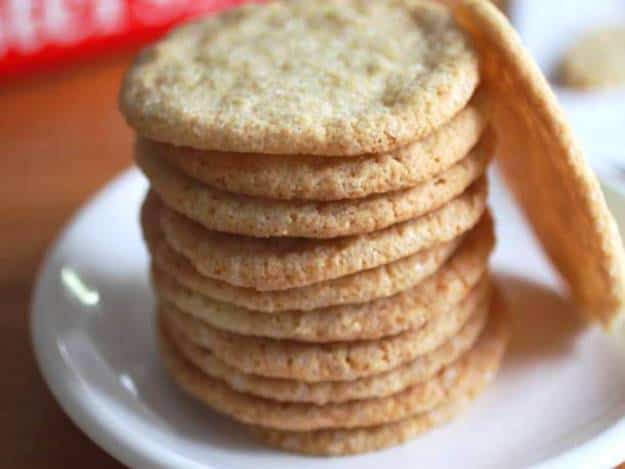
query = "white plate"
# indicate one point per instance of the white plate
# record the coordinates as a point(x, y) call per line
point(559, 400)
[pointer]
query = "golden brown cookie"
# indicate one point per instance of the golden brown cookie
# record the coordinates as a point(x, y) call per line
point(597, 60)
point(368, 439)
point(326, 178)
point(362, 286)
point(278, 264)
point(379, 385)
point(325, 362)
point(301, 77)
point(420, 397)
point(365, 321)
point(371, 320)
point(545, 167)
point(250, 216)
point(467, 266)
point(361, 440)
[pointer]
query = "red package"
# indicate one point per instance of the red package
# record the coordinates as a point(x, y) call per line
point(39, 33)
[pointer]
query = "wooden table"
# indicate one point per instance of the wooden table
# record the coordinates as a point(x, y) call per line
point(61, 138)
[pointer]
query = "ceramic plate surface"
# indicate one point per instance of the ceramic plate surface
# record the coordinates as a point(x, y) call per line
point(558, 401)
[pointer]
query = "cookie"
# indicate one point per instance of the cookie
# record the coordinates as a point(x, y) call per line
point(361, 440)
point(379, 282)
point(278, 264)
point(379, 385)
point(300, 77)
point(325, 178)
point(323, 362)
point(417, 398)
point(231, 213)
point(368, 439)
point(545, 168)
point(362, 286)
point(597, 60)
point(365, 321)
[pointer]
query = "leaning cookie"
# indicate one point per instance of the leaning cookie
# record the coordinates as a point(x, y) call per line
point(545, 167)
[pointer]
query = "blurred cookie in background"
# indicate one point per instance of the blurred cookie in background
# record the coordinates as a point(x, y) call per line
point(597, 60)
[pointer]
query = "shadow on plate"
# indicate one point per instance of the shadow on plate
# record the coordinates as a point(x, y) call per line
point(543, 322)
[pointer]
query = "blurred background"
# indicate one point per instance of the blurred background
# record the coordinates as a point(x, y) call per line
point(61, 139)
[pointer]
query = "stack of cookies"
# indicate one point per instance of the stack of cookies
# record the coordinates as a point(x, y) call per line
point(317, 218)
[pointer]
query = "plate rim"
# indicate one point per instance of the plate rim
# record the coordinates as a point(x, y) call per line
point(134, 452)
point(603, 448)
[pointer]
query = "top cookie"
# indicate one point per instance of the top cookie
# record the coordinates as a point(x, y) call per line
point(545, 167)
point(300, 77)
